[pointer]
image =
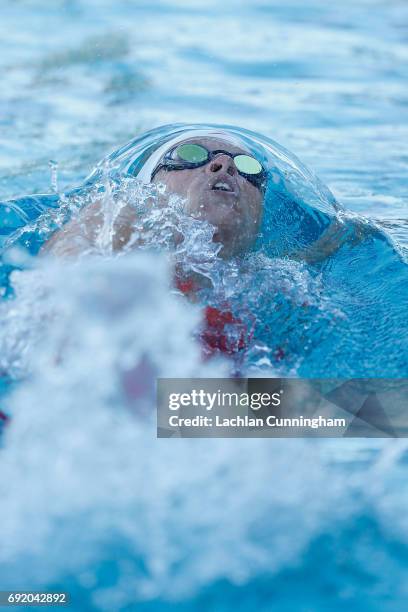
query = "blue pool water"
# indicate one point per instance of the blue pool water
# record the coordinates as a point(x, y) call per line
point(91, 501)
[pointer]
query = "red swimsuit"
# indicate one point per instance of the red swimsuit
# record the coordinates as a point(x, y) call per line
point(222, 332)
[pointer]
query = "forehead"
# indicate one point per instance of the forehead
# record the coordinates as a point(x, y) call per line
point(214, 144)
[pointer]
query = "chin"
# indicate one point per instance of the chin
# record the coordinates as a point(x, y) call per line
point(221, 214)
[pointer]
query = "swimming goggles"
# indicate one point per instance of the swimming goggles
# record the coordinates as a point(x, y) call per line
point(187, 156)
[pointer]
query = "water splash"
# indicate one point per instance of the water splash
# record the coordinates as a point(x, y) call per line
point(167, 522)
point(53, 165)
point(85, 418)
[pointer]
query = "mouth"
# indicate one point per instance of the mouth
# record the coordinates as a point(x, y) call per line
point(224, 184)
point(220, 186)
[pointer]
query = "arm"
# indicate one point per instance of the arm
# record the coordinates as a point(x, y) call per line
point(89, 232)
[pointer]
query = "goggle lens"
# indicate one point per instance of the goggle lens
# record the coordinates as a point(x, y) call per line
point(247, 164)
point(192, 153)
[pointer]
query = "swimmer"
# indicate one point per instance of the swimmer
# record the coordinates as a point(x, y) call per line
point(255, 195)
point(218, 182)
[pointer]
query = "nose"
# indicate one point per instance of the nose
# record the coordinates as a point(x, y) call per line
point(223, 163)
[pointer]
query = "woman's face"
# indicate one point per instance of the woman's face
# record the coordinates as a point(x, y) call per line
point(217, 193)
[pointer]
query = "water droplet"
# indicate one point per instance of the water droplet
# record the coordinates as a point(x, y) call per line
point(53, 165)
